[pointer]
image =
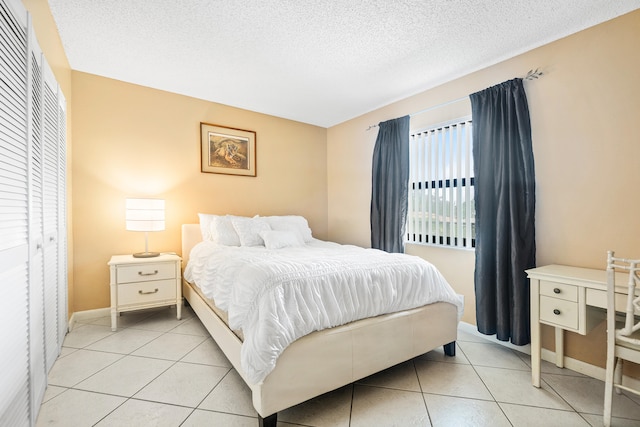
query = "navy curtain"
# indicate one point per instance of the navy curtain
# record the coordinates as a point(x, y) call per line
point(389, 187)
point(505, 208)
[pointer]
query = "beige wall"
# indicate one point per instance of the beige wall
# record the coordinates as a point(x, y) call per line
point(583, 115)
point(51, 45)
point(132, 141)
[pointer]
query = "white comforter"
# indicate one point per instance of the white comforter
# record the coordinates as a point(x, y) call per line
point(278, 296)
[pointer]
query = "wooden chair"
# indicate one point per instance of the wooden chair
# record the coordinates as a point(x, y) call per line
point(623, 338)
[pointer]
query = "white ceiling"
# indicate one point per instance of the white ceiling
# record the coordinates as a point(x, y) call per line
point(315, 61)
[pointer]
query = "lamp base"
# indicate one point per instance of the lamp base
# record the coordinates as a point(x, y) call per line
point(146, 254)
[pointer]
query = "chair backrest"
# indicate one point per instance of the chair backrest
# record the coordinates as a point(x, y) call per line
point(632, 308)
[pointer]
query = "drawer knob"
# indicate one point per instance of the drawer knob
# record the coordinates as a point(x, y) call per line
point(140, 273)
point(148, 292)
point(556, 290)
point(555, 311)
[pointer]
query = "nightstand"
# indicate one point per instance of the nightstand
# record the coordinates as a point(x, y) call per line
point(138, 283)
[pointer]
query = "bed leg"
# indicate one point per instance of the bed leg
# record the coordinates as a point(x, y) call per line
point(450, 349)
point(269, 421)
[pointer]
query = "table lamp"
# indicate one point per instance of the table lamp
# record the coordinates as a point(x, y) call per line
point(145, 215)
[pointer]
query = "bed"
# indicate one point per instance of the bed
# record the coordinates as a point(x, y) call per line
point(322, 360)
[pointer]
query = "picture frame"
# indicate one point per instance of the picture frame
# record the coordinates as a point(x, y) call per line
point(227, 150)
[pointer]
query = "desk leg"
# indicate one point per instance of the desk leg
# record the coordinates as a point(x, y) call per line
point(536, 352)
point(560, 347)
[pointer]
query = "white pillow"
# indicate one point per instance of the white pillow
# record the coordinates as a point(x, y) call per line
point(281, 239)
point(205, 225)
point(222, 231)
point(249, 230)
point(295, 223)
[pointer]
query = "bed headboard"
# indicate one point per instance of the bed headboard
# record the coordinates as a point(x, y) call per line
point(190, 236)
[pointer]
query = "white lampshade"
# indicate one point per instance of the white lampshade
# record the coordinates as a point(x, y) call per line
point(145, 214)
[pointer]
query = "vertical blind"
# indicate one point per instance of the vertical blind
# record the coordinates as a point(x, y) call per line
point(441, 206)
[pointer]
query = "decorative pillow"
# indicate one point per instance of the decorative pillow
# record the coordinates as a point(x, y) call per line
point(205, 225)
point(222, 231)
point(281, 239)
point(249, 230)
point(295, 223)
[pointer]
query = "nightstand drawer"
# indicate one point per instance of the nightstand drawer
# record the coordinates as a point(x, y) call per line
point(145, 272)
point(146, 292)
point(559, 290)
point(559, 312)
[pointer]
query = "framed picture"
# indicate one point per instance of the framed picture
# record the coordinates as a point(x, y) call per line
point(227, 150)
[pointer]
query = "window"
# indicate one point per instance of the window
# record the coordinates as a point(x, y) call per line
point(441, 207)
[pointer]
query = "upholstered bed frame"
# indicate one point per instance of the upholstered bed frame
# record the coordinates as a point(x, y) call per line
point(326, 360)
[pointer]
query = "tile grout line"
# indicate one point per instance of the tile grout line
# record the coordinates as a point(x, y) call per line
point(127, 398)
point(193, 409)
point(424, 400)
point(473, 366)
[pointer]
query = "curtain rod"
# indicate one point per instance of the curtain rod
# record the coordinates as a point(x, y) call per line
point(531, 75)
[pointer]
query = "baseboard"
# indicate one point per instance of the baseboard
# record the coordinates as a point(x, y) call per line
point(71, 323)
point(88, 315)
point(587, 369)
point(550, 356)
point(575, 365)
point(473, 330)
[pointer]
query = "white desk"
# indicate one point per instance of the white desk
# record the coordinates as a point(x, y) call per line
point(569, 299)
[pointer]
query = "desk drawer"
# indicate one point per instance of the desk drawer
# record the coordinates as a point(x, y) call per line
point(146, 272)
point(598, 298)
point(146, 292)
point(559, 312)
point(559, 290)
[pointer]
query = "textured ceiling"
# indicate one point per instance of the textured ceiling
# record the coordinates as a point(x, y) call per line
point(315, 61)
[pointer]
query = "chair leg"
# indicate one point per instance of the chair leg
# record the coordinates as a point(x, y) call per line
point(617, 375)
point(608, 390)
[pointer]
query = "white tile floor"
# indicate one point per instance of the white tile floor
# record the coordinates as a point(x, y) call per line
point(159, 371)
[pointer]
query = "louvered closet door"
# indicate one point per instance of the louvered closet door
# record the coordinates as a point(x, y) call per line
point(63, 309)
point(36, 263)
point(50, 215)
point(14, 245)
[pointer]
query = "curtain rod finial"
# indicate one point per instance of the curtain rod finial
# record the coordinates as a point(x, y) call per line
point(533, 74)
